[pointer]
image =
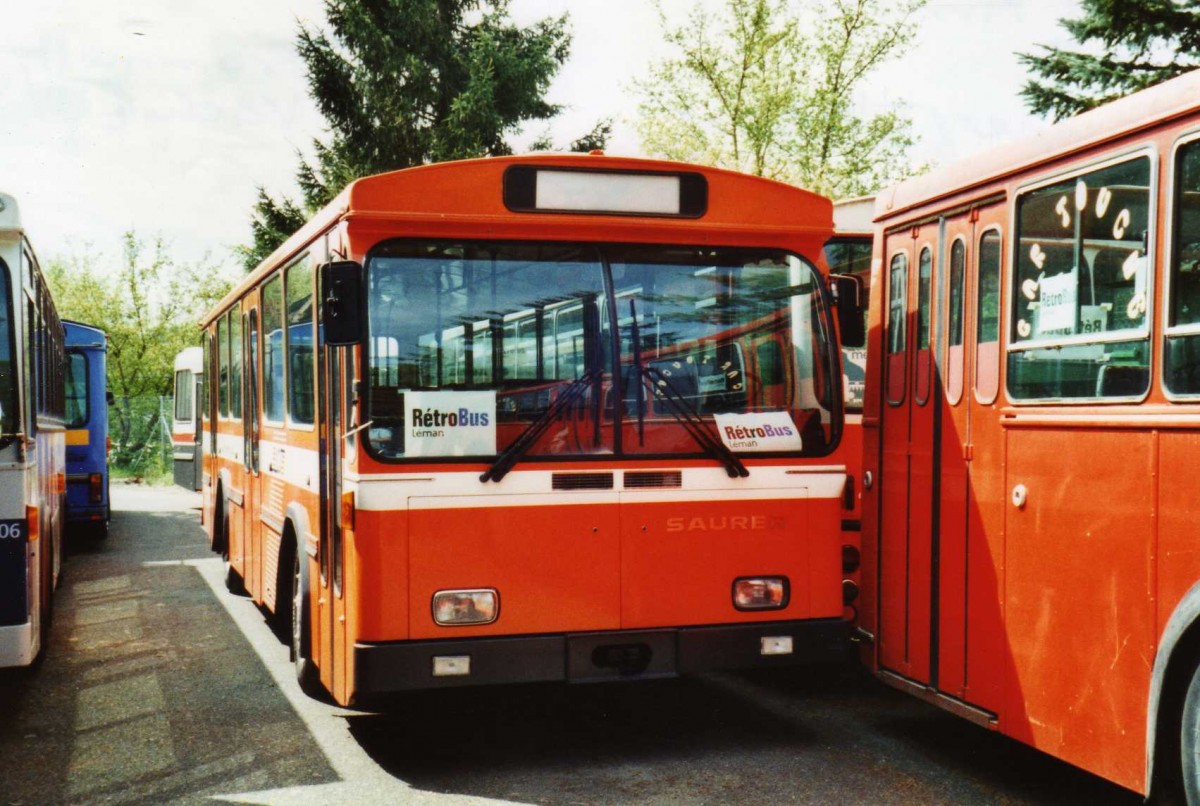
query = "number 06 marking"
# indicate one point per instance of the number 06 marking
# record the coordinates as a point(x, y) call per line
point(12, 530)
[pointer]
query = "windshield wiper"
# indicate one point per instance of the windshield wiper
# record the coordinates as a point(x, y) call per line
point(693, 423)
point(677, 405)
point(521, 445)
point(592, 376)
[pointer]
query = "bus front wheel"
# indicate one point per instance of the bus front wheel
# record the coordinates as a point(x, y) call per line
point(306, 671)
point(1189, 740)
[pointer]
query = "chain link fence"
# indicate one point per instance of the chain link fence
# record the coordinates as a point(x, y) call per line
point(140, 430)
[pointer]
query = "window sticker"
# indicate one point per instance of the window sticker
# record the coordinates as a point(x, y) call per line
point(759, 432)
point(450, 423)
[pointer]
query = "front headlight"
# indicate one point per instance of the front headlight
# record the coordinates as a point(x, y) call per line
point(760, 593)
point(458, 607)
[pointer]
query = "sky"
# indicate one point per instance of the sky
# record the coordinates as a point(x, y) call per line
point(165, 118)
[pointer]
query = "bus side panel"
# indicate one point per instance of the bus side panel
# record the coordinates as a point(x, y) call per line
point(1179, 534)
point(556, 568)
point(1080, 607)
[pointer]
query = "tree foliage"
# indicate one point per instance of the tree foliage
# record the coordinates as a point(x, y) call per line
point(407, 82)
point(1134, 44)
point(768, 87)
point(150, 307)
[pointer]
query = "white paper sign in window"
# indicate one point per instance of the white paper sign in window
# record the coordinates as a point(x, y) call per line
point(759, 432)
point(450, 423)
point(1057, 313)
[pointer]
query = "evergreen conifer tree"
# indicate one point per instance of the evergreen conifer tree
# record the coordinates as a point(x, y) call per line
point(1139, 42)
point(407, 82)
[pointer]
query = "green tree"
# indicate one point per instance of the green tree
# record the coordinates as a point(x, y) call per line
point(150, 307)
point(1135, 44)
point(407, 82)
point(768, 87)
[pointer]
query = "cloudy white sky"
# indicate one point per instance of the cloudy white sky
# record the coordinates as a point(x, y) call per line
point(165, 117)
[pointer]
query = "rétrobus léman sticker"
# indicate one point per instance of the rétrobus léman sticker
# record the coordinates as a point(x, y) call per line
point(450, 423)
point(758, 432)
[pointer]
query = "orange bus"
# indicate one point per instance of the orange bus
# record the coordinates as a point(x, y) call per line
point(1030, 428)
point(545, 418)
point(33, 481)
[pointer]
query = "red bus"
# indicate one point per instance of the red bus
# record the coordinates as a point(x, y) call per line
point(547, 418)
point(848, 254)
point(33, 481)
point(1030, 428)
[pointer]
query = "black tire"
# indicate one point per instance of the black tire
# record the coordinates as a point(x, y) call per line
point(298, 615)
point(218, 524)
point(1189, 741)
point(233, 580)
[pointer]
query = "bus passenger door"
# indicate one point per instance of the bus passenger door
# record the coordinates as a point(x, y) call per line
point(251, 569)
point(906, 552)
point(198, 430)
point(333, 601)
point(970, 636)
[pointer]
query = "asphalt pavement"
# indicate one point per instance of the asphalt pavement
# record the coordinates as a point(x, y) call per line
point(158, 686)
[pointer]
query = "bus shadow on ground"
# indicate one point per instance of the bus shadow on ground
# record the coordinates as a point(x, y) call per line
point(616, 741)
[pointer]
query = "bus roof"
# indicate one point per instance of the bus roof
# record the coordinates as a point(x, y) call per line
point(81, 335)
point(1123, 117)
point(471, 190)
point(190, 358)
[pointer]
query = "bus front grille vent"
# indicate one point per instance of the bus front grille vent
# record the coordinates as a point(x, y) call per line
point(582, 481)
point(642, 480)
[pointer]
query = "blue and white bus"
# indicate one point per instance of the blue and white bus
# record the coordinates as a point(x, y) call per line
point(87, 429)
point(32, 455)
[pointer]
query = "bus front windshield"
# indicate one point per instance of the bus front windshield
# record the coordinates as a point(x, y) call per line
point(573, 350)
point(8, 363)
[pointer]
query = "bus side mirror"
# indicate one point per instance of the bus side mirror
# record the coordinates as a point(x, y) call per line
point(341, 308)
point(847, 296)
point(108, 397)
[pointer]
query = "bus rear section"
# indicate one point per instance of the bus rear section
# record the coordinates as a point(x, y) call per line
point(185, 446)
point(32, 458)
point(86, 421)
point(574, 443)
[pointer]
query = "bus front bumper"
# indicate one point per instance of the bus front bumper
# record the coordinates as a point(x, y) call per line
point(597, 656)
point(16, 645)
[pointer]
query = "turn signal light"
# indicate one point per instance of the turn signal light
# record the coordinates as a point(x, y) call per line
point(95, 487)
point(457, 607)
point(760, 593)
point(33, 523)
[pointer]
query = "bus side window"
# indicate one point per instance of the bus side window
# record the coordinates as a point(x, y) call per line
point(300, 375)
point(272, 328)
point(1182, 370)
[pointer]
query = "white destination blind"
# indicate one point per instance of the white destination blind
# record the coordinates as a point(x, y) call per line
point(608, 193)
point(759, 432)
point(450, 423)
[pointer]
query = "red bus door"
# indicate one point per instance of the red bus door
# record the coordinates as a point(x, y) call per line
point(969, 635)
point(907, 428)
